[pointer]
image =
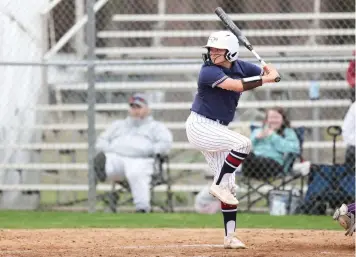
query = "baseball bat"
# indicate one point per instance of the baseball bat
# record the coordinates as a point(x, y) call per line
point(237, 32)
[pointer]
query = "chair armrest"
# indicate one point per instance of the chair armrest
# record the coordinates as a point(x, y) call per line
point(159, 160)
point(289, 161)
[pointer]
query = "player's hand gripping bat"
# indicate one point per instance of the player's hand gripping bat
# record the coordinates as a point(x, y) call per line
point(237, 32)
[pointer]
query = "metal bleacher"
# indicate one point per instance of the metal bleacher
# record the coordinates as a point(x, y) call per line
point(69, 116)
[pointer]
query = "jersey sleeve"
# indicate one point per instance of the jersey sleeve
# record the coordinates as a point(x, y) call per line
point(211, 76)
point(252, 69)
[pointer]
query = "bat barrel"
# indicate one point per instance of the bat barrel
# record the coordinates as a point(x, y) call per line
point(219, 11)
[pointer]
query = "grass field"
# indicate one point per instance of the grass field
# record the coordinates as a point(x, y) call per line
point(32, 220)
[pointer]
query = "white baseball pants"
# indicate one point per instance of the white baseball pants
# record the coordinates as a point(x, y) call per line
point(215, 141)
point(137, 171)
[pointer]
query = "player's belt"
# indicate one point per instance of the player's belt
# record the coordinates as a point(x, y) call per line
point(219, 121)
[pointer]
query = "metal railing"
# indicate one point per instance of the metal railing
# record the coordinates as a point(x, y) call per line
point(80, 22)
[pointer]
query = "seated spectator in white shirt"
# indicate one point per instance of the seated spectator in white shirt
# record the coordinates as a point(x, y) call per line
point(127, 148)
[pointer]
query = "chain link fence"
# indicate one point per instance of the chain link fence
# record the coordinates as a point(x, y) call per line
point(155, 47)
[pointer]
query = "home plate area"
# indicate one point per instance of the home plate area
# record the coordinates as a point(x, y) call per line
point(172, 243)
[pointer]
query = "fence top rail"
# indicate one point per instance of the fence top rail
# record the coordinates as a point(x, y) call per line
point(186, 105)
point(235, 16)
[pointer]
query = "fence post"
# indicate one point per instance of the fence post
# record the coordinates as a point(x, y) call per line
point(80, 46)
point(90, 32)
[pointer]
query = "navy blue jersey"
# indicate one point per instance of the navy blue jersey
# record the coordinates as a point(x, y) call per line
point(214, 102)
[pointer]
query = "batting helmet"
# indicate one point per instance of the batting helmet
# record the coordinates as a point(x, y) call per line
point(224, 40)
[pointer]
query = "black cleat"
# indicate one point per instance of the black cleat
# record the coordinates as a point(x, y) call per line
point(99, 167)
point(141, 211)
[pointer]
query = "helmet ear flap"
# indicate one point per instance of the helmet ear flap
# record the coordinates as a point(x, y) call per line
point(229, 56)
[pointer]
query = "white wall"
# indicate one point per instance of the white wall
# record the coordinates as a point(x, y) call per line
point(20, 41)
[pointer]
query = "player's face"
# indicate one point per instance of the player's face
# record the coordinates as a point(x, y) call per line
point(274, 119)
point(137, 111)
point(217, 55)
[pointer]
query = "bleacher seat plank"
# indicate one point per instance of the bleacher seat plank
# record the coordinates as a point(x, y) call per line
point(105, 188)
point(192, 85)
point(186, 105)
point(186, 68)
point(181, 125)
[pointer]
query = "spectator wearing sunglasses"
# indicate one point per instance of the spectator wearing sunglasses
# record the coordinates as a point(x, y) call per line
point(127, 149)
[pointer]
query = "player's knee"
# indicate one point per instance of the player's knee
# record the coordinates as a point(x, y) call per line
point(248, 145)
point(244, 146)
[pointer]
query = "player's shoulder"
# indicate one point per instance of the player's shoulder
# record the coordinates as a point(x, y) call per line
point(206, 68)
point(210, 73)
point(245, 64)
point(241, 62)
point(248, 68)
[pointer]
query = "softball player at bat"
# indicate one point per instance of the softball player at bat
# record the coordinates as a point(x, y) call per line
point(221, 81)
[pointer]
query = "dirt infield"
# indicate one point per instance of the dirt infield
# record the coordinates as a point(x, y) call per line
point(171, 243)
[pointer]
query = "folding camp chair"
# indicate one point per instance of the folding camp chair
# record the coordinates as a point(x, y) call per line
point(331, 184)
point(278, 182)
point(161, 176)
